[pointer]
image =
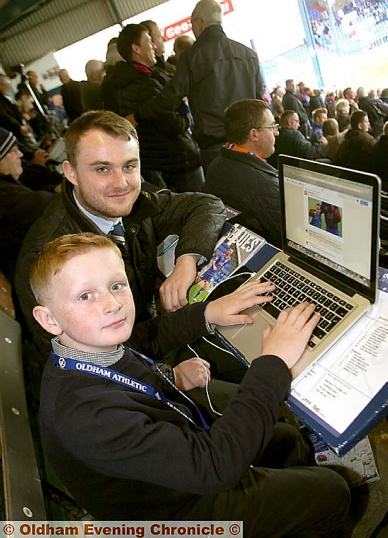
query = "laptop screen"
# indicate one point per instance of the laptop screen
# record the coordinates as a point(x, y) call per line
point(330, 220)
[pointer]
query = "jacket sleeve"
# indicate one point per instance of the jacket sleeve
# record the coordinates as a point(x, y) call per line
point(158, 336)
point(196, 217)
point(201, 462)
point(305, 148)
point(132, 97)
point(170, 97)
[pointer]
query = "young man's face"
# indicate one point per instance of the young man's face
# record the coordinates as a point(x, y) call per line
point(11, 164)
point(158, 40)
point(365, 124)
point(93, 309)
point(146, 50)
point(107, 176)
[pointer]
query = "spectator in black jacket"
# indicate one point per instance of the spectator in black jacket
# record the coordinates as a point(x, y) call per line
point(376, 109)
point(166, 145)
point(379, 158)
point(240, 176)
point(356, 149)
point(19, 205)
point(71, 95)
point(291, 102)
point(291, 141)
point(214, 73)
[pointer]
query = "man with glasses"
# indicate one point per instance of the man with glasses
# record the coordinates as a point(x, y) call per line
point(291, 141)
point(240, 175)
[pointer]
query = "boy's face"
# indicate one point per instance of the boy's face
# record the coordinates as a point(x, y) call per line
point(91, 306)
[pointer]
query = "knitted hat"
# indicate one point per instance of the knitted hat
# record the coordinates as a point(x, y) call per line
point(7, 141)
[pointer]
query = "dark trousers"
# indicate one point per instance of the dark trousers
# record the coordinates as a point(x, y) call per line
point(279, 496)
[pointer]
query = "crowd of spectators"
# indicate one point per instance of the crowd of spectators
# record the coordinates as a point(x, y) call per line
point(200, 123)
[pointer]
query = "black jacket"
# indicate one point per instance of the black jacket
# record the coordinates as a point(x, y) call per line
point(250, 185)
point(197, 218)
point(355, 151)
point(379, 159)
point(377, 112)
point(214, 73)
point(165, 143)
point(291, 102)
point(292, 142)
point(71, 95)
point(125, 456)
point(19, 209)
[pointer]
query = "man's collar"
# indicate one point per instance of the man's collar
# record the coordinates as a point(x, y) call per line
point(102, 224)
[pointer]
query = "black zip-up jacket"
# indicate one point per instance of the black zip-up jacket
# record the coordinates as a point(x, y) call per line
point(214, 73)
point(165, 143)
point(251, 185)
point(19, 209)
point(196, 218)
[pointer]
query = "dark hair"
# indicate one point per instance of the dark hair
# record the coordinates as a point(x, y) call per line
point(357, 117)
point(129, 35)
point(286, 116)
point(346, 90)
point(241, 117)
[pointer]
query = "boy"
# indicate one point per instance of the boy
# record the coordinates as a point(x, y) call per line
point(126, 450)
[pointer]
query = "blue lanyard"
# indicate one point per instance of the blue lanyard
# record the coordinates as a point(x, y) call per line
point(130, 382)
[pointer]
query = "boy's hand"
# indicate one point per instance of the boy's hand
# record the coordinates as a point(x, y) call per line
point(288, 338)
point(192, 373)
point(173, 291)
point(226, 310)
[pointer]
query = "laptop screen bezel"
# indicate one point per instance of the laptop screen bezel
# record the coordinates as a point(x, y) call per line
point(343, 173)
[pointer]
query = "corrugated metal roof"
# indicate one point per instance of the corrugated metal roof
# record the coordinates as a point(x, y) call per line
point(59, 23)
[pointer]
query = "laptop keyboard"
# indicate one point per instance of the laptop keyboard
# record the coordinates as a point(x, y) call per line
point(293, 288)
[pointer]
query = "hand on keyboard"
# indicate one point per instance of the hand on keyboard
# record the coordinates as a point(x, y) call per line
point(290, 334)
point(226, 310)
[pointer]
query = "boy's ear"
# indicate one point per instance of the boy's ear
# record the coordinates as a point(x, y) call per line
point(45, 318)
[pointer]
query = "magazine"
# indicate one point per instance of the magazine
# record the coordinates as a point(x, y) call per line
point(233, 250)
point(357, 466)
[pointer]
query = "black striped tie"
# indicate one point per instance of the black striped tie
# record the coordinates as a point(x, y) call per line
point(117, 234)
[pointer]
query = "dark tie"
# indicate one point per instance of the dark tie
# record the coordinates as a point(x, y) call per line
point(117, 234)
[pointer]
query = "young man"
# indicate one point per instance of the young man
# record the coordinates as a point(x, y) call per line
point(166, 145)
point(102, 189)
point(128, 450)
point(356, 149)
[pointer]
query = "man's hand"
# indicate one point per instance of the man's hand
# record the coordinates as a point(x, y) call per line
point(226, 310)
point(290, 334)
point(173, 291)
point(40, 157)
point(191, 374)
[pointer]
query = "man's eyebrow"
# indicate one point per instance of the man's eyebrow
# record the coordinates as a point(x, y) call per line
point(94, 163)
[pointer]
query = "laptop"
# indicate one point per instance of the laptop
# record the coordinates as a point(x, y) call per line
point(329, 256)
